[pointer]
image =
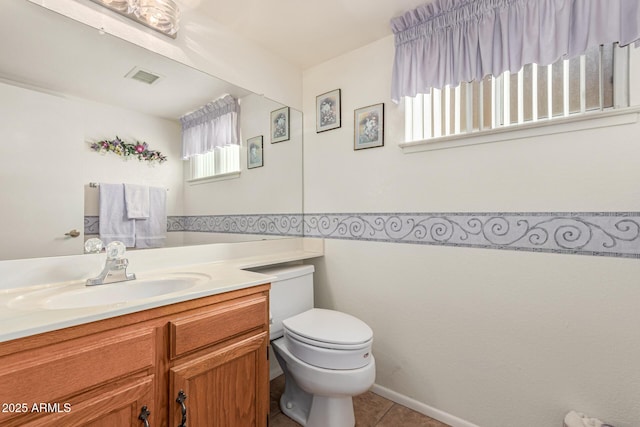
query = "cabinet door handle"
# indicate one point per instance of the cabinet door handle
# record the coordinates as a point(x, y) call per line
point(181, 398)
point(144, 414)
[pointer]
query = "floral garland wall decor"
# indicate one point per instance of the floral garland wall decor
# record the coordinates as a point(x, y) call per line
point(128, 150)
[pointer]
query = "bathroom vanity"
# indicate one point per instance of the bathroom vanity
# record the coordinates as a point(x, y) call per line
point(113, 372)
point(194, 357)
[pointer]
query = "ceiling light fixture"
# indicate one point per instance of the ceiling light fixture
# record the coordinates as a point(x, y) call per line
point(160, 15)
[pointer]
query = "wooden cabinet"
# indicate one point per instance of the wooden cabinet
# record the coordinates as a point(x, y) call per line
point(106, 373)
point(226, 385)
point(223, 388)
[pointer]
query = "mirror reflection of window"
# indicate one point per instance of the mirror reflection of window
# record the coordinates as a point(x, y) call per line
point(220, 161)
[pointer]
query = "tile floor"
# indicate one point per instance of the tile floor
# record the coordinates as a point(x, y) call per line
point(371, 411)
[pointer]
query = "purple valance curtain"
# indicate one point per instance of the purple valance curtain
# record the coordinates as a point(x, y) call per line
point(446, 42)
point(214, 125)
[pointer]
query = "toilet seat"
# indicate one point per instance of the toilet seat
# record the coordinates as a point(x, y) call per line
point(327, 345)
point(327, 327)
point(329, 339)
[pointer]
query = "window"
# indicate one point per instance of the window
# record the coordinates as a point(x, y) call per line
point(221, 161)
point(210, 139)
point(594, 81)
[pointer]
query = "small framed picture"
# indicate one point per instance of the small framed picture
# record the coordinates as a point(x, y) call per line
point(369, 127)
point(328, 115)
point(280, 125)
point(255, 157)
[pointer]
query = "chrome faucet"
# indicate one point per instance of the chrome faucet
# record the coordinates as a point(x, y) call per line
point(115, 269)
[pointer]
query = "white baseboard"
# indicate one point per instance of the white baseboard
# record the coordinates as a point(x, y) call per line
point(427, 410)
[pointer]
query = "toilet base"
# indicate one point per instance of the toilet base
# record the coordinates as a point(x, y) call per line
point(294, 402)
point(331, 411)
point(331, 403)
point(324, 411)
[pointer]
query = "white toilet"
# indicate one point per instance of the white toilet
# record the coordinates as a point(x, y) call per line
point(324, 354)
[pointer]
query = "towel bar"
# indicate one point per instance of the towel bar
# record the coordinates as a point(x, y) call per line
point(97, 184)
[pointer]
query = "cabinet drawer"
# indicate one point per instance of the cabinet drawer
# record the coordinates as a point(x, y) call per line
point(65, 369)
point(221, 322)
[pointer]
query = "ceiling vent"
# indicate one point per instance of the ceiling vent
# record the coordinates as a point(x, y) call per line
point(143, 76)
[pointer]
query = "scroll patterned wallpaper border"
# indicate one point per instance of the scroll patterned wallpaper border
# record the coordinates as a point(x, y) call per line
point(614, 234)
point(263, 224)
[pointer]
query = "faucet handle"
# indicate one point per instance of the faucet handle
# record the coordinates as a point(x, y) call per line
point(93, 246)
point(116, 250)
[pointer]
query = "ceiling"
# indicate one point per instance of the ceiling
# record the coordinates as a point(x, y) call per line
point(305, 32)
point(43, 50)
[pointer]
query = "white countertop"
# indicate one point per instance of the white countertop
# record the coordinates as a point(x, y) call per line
point(218, 276)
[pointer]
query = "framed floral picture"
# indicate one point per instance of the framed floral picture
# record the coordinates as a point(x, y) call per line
point(280, 125)
point(255, 157)
point(369, 127)
point(328, 115)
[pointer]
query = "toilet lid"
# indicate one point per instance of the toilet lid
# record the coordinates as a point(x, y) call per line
point(330, 327)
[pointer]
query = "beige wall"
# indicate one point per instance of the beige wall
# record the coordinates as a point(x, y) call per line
point(496, 338)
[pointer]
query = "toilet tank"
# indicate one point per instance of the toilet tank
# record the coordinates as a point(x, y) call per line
point(291, 293)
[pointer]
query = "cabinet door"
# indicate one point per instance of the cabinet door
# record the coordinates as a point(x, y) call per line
point(228, 387)
point(118, 406)
point(59, 381)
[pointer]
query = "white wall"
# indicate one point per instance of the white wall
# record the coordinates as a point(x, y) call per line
point(47, 166)
point(273, 188)
point(497, 338)
point(101, 121)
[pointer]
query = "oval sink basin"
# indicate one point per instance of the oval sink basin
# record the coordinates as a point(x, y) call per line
point(121, 292)
point(81, 296)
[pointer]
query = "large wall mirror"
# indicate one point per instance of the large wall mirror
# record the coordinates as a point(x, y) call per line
point(64, 85)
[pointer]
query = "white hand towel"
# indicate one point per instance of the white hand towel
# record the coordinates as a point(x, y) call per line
point(136, 199)
point(152, 232)
point(114, 224)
